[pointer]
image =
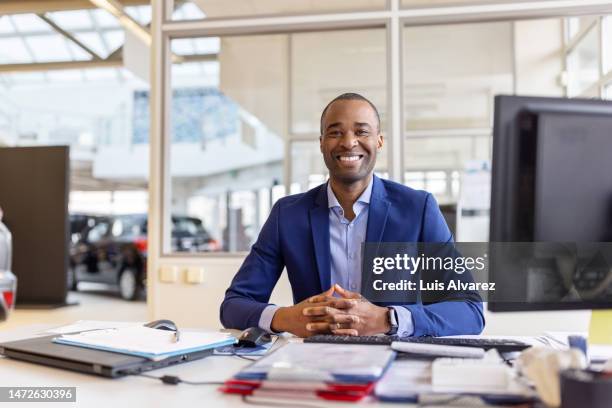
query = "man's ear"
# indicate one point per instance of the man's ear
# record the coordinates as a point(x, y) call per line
point(321, 143)
point(380, 142)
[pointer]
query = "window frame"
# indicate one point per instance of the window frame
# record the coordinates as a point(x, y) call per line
point(393, 18)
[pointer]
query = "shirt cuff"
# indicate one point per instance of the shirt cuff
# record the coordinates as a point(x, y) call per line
point(405, 326)
point(265, 320)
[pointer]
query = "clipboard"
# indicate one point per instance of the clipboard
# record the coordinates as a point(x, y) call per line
point(146, 342)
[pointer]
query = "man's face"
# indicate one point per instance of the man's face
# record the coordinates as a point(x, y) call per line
point(350, 139)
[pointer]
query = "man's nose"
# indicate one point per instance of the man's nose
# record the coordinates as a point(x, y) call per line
point(349, 140)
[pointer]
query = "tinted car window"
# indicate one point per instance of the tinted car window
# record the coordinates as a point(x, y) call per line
point(129, 226)
point(188, 226)
point(98, 232)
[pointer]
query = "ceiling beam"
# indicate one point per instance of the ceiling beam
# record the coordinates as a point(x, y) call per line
point(61, 65)
point(114, 62)
point(128, 22)
point(118, 53)
point(69, 36)
point(44, 6)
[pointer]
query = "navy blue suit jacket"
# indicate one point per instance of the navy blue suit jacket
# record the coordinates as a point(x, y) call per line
point(296, 236)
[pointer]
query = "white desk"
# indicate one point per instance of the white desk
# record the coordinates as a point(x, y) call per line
point(133, 391)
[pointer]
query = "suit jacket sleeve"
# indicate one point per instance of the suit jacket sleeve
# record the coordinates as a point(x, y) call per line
point(250, 290)
point(461, 316)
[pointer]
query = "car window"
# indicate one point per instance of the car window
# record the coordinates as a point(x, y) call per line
point(98, 232)
point(117, 228)
point(189, 226)
point(128, 226)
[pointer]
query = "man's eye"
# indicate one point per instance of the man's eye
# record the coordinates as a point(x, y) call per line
point(362, 132)
point(333, 133)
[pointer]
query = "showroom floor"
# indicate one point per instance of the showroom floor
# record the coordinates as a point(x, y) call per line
point(95, 302)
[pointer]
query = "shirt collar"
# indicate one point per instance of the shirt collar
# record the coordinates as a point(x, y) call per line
point(332, 201)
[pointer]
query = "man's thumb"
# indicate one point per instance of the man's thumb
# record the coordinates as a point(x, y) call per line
point(341, 291)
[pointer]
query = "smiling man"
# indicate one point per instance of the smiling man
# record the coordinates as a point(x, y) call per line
point(317, 237)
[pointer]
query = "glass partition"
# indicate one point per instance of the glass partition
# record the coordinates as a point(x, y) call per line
point(451, 74)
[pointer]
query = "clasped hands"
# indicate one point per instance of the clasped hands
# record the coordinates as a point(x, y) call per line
point(350, 314)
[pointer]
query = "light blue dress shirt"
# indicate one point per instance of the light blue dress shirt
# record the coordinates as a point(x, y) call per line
point(346, 238)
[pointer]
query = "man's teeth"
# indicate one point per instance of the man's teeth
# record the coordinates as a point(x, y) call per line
point(349, 158)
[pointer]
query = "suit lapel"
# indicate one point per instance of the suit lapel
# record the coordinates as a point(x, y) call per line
point(379, 210)
point(319, 223)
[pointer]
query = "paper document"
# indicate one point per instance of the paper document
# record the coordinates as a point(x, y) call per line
point(146, 342)
point(82, 325)
point(321, 362)
point(404, 381)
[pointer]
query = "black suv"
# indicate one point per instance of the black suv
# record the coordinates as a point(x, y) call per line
point(113, 249)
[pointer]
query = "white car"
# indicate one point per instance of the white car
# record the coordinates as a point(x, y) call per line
point(8, 281)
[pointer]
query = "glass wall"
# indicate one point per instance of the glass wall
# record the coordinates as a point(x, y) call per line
point(323, 66)
point(583, 63)
point(277, 85)
point(451, 74)
point(235, 117)
point(228, 135)
point(607, 44)
point(588, 56)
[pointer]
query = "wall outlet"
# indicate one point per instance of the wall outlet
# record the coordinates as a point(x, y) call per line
point(168, 273)
point(194, 274)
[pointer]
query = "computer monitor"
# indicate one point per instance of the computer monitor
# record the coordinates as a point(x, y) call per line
point(34, 188)
point(551, 201)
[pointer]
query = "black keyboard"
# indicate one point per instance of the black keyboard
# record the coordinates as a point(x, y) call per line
point(502, 345)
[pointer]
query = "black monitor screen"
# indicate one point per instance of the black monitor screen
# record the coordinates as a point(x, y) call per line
point(552, 197)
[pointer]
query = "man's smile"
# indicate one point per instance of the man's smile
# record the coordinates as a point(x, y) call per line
point(349, 158)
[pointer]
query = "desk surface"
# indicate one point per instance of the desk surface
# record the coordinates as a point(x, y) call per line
point(133, 392)
point(94, 391)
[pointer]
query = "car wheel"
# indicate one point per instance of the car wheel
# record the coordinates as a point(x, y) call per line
point(71, 280)
point(129, 286)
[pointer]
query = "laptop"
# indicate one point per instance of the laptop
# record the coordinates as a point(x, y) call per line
point(41, 350)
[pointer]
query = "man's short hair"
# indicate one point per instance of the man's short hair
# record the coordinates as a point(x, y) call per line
point(351, 96)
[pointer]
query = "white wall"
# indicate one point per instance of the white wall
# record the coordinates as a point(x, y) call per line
point(538, 57)
point(198, 305)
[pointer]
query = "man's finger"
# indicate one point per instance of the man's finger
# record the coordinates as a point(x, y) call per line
point(345, 332)
point(319, 299)
point(338, 303)
point(318, 327)
point(318, 311)
point(347, 294)
point(346, 319)
point(316, 298)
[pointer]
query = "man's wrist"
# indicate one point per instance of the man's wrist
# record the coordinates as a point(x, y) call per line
point(385, 325)
point(278, 320)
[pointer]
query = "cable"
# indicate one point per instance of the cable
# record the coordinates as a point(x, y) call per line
point(247, 400)
point(244, 357)
point(174, 380)
point(442, 402)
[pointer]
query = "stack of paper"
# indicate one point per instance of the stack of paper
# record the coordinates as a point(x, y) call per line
point(314, 370)
point(405, 381)
point(146, 342)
